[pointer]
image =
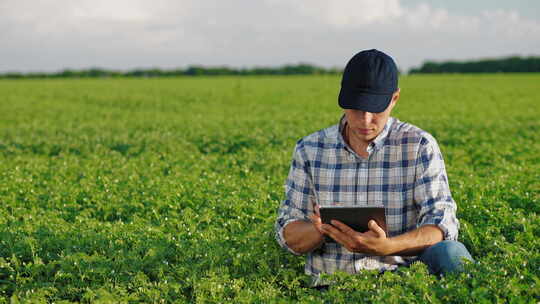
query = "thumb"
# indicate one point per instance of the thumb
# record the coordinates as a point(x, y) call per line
point(377, 229)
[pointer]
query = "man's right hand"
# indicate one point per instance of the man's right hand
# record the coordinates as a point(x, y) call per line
point(316, 219)
point(303, 236)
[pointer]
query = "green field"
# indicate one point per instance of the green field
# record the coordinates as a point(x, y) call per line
point(166, 190)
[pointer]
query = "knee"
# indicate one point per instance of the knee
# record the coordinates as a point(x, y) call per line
point(447, 256)
point(450, 249)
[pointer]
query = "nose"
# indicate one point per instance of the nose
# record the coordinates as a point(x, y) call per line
point(367, 117)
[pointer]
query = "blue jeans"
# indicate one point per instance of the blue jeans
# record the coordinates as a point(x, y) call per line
point(445, 257)
point(441, 258)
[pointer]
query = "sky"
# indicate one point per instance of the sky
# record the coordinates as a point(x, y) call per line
point(51, 35)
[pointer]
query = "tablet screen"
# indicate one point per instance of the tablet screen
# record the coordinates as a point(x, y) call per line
point(355, 217)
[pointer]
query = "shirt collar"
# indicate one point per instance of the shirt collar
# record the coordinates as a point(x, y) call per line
point(376, 144)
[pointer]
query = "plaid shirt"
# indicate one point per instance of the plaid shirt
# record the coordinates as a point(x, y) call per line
point(404, 172)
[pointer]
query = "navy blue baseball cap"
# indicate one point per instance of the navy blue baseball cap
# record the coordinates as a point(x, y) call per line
point(369, 81)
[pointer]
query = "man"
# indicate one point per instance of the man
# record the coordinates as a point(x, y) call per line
point(370, 159)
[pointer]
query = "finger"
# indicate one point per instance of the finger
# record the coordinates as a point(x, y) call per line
point(317, 210)
point(315, 219)
point(373, 226)
point(337, 235)
point(344, 228)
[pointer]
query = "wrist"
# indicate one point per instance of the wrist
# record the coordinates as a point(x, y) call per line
point(391, 246)
point(319, 234)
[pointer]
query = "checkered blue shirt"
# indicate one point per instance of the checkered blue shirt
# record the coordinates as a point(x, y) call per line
point(404, 172)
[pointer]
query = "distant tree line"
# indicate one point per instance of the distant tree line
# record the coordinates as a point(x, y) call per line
point(514, 64)
point(299, 69)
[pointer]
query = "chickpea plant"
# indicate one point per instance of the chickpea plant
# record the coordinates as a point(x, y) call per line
point(166, 190)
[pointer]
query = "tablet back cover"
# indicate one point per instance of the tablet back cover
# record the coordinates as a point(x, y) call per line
point(355, 217)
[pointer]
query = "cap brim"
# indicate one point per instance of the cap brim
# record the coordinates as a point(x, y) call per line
point(374, 103)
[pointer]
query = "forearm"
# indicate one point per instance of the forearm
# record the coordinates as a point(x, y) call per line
point(415, 241)
point(302, 236)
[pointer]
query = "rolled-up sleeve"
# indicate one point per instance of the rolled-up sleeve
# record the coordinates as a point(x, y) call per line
point(299, 198)
point(431, 191)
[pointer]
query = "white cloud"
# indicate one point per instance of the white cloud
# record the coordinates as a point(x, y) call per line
point(347, 13)
point(55, 34)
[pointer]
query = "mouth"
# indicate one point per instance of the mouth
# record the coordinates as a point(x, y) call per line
point(365, 131)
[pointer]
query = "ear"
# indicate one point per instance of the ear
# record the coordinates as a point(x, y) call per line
point(395, 96)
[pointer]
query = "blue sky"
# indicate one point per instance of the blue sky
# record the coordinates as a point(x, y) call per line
point(50, 35)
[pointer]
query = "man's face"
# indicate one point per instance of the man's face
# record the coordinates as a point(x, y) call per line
point(365, 126)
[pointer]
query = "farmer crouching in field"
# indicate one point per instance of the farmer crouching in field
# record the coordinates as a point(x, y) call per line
point(370, 159)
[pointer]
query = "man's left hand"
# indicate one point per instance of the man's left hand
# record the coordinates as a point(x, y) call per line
point(372, 242)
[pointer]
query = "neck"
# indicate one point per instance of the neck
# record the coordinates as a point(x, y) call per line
point(359, 146)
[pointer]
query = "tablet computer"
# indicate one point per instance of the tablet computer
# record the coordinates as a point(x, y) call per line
point(355, 217)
